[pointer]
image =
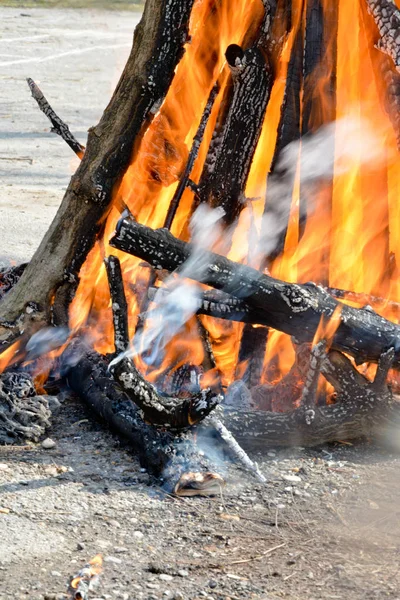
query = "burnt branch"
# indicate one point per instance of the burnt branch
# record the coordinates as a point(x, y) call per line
point(119, 304)
point(58, 125)
point(292, 308)
point(198, 138)
point(163, 411)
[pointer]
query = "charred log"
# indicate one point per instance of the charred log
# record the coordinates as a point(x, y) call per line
point(252, 349)
point(292, 308)
point(174, 459)
point(119, 304)
point(158, 46)
point(362, 409)
point(252, 83)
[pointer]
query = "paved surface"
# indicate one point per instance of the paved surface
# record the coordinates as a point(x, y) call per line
point(76, 57)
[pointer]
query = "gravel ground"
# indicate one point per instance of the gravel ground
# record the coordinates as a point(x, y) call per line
point(325, 527)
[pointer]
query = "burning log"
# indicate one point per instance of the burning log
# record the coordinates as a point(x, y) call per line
point(157, 48)
point(58, 125)
point(173, 458)
point(119, 304)
point(292, 308)
point(239, 123)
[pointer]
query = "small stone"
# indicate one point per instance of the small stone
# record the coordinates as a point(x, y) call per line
point(183, 573)
point(55, 574)
point(292, 478)
point(178, 596)
point(212, 584)
point(120, 549)
point(80, 546)
point(48, 444)
point(152, 586)
point(138, 535)
point(113, 559)
point(165, 577)
point(4, 467)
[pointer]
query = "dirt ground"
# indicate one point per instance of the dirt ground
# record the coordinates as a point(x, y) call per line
point(325, 526)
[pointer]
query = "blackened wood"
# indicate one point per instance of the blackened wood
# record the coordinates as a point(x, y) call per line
point(292, 308)
point(163, 454)
point(253, 345)
point(58, 125)
point(119, 304)
point(252, 84)
point(198, 138)
point(239, 122)
point(160, 410)
point(54, 270)
point(280, 182)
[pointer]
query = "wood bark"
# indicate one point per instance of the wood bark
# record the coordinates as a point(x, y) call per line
point(53, 273)
point(292, 308)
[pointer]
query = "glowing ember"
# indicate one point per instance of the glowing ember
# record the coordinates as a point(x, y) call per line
point(87, 578)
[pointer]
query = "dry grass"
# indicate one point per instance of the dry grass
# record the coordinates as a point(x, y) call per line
point(99, 4)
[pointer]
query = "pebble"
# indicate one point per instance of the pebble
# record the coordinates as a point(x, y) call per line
point(113, 559)
point(292, 478)
point(80, 546)
point(138, 535)
point(55, 574)
point(120, 549)
point(165, 577)
point(3, 467)
point(179, 596)
point(183, 573)
point(48, 443)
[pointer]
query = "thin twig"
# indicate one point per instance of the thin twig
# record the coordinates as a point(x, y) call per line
point(58, 124)
point(198, 138)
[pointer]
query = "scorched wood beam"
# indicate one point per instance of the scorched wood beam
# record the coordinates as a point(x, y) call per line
point(239, 123)
point(292, 308)
point(52, 275)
